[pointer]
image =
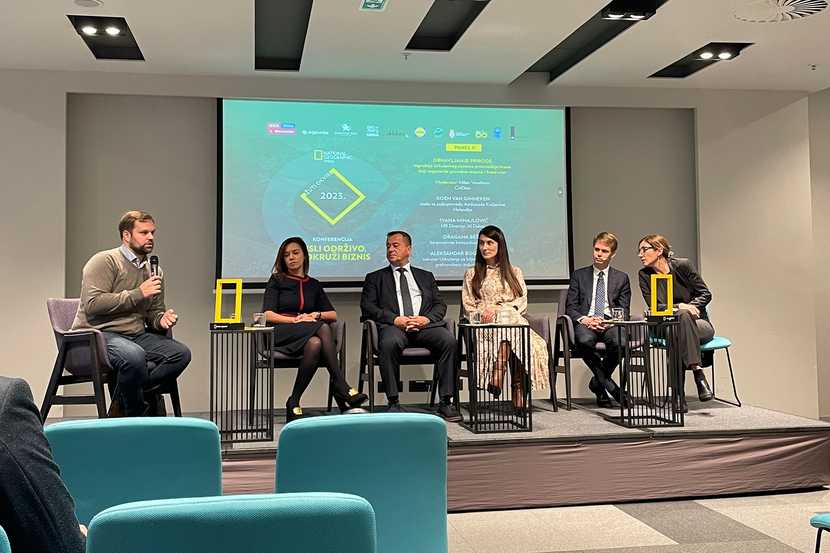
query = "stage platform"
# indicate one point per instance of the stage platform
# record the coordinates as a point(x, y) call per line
point(578, 457)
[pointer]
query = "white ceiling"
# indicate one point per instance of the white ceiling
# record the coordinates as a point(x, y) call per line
point(215, 37)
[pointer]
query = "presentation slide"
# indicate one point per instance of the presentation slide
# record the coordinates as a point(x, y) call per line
point(343, 175)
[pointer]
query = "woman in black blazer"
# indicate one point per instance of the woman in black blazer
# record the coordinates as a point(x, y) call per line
point(689, 294)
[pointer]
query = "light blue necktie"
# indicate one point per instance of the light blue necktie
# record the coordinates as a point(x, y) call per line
point(599, 300)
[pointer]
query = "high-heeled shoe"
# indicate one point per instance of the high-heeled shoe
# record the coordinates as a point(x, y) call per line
point(518, 391)
point(350, 400)
point(518, 401)
point(704, 392)
point(292, 413)
point(499, 368)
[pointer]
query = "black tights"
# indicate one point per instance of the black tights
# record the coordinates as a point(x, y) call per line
point(319, 350)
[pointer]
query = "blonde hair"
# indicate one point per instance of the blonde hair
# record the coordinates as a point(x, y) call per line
point(608, 238)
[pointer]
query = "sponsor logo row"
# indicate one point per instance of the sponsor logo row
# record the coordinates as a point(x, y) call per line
point(374, 131)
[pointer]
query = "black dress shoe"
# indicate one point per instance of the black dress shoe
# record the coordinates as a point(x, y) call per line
point(704, 392)
point(394, 407)
point(603, 400)
point(448, 412)
point(350, 399)
point(621, 397)
point(292, 413)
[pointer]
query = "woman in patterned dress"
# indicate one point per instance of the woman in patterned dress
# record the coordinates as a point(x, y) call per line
point(494, 284)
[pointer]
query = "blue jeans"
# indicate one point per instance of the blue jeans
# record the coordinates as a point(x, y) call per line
point(129, 356)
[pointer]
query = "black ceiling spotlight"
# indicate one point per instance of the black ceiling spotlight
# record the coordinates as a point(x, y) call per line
point(701, 59)
point(719, 51)
point(108, 38)
point(98, 26)
point(629, 10)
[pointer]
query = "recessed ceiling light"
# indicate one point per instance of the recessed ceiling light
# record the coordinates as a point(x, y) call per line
point(108, 38)
point(629, 10)
point(89, 3)
point(701, 58)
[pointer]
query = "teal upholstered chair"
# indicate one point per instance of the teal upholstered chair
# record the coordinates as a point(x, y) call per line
point(105, 462)
point(822, 522)
point(397, 461)
point(715, 344)
point(289, 523)
point(5, 547)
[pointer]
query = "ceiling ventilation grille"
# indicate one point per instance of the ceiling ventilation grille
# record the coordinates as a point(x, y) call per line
point(775, 11)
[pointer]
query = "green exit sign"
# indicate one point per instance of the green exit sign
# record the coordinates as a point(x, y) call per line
point(373, 5)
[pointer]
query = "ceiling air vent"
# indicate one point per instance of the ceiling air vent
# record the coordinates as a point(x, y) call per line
point(775, 11)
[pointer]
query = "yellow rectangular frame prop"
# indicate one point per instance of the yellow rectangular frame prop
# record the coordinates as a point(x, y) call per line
point(669, 295)
point(237, 312)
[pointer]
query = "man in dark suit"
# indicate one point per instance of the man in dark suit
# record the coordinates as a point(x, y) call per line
point(407, 307)
point(36, 510)
point(592, 293)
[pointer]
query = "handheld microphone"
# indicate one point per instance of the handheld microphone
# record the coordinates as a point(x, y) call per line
point(154, 268)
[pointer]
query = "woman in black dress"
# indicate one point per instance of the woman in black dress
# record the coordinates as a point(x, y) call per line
point(689, 294)
point(296, 305)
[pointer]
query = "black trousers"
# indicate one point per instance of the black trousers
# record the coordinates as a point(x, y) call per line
point(603, 368)
point(438, 340)
point(691, 334)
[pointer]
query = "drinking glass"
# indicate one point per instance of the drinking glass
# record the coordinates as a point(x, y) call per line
point(504, 316)
point(259, 319)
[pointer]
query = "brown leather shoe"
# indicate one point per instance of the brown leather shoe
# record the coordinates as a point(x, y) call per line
point(115, 410)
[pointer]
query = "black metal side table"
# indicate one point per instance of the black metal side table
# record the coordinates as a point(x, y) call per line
point(650, 370)
point(498, 359)
point(241, 396)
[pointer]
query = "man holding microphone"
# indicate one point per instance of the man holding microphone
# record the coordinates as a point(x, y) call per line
point(122, 295)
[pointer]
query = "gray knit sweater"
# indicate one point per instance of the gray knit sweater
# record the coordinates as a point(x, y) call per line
point(111, 299)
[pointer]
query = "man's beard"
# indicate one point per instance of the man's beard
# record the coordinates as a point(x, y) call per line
point(141, 250)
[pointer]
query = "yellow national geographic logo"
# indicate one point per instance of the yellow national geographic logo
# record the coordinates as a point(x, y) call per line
point(669, 294)
point(360, 198)
point(420, 132)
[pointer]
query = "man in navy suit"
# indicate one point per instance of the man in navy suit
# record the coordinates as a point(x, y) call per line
point(407, 307)
point(592, 293)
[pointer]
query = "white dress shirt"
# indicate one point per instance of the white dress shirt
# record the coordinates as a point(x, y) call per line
point(606, 309)
point(132, 257)
point(414, 291)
